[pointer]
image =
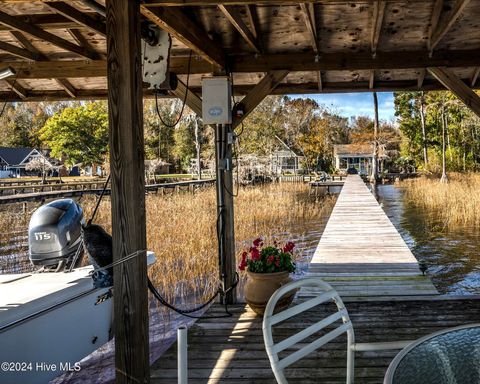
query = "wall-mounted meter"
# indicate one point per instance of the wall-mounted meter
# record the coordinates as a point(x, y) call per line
point(216, 100)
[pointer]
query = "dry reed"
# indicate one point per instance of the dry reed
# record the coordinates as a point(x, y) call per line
point(181, 229)
point(456, 203)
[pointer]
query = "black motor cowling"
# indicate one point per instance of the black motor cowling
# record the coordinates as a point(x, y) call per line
point(54, 232)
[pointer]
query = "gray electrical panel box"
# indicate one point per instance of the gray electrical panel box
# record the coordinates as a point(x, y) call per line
point(216, 100)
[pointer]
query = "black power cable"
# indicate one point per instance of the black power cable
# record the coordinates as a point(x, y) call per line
point(184, 98)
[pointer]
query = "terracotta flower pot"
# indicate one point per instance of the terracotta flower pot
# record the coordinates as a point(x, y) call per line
point(261, 286)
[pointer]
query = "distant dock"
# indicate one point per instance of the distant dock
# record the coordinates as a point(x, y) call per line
point(362, 254)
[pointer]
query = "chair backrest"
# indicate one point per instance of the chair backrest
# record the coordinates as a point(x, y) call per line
point(326, 293)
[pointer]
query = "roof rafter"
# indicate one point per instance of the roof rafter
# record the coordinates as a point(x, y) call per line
point(236, 20)
point(79, 17)
point(252, 15)
point(421, 78)
point(259, 92)
point(17, 88)
point(17, 51)
point(64, 83)
point(444, 25)
point(371, 79)
point(378, 15)
point(181, 27)
point(308, 11)
point(83, 42)
point(33, 30)
point(474, 78)
point(193, 101)
point(457, 87)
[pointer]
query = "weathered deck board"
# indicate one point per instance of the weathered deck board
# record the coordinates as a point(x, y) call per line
point(362, 254)
point(231, 350)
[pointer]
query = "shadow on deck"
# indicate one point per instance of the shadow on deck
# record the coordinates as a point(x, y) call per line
point(231, 350)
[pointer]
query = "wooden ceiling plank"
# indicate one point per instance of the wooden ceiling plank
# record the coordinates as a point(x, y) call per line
point(378, 16)
point(308, 12)
point(259, 92)
point(236, 20)
point(17, 88)
point(421, 78)
point(193, 101)
point(182, 28)
point(33, 30)
point(475, 74)
point(443, 26)
point(450, 81)
point(17, 51)
point(79, 17)
point(68, 87)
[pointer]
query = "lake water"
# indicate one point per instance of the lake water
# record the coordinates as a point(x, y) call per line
point(453, 257)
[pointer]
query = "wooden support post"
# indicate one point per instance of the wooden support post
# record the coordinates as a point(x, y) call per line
point(128, 191)
point(226, 238)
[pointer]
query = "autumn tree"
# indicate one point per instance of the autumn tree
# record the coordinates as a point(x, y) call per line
point(78, 134)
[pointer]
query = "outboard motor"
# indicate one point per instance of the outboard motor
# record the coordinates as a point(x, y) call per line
point(54, 233)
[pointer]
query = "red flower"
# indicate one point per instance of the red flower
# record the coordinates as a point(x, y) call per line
point(277, 262)
point(255, 253)
point(243, 262)
point(288, 247)
point(257, 242)
point(270, 259)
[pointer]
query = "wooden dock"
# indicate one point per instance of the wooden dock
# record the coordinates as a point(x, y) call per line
point(61, 194)
point(362, 254)
point(232, 351)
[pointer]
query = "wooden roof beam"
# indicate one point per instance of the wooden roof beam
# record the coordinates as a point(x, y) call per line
point(28, 45)
point(320, 82)
point(79, 17)
point(93, 5)
point(444, 25)
point(457, 87)
point(33, 30)
point(253, 20)
point(421, 78)
point(17, 88)
point(308, 11)
point(17, 51)
point(371, 80)
point(474, 78)
point(378, 15)
point(182, 28)
point(259, 92)
point(67, 87)
point(193, 101)
point(83, 42)
point(236, 20)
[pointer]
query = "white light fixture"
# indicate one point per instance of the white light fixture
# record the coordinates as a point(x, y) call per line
point(6, 72)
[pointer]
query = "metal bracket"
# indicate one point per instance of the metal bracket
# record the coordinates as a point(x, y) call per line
point(156, 54)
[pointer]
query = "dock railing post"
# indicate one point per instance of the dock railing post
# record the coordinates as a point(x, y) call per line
point(182, 355)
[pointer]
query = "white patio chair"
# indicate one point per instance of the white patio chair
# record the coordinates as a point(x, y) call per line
point(327, 294)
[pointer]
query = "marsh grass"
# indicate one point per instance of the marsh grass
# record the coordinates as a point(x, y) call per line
point(181, 230)
point(456, 204)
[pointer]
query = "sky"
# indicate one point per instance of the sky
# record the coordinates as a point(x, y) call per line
point(356, 104)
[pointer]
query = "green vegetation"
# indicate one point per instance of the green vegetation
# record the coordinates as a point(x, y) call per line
point(434, 124)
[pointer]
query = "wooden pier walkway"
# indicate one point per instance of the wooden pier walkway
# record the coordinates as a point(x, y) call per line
point(362, 254)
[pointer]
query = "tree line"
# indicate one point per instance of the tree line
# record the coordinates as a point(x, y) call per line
point(439, 132)
point(77, 132)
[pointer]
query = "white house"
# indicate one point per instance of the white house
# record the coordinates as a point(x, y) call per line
point(14, 160)
point(358, 156)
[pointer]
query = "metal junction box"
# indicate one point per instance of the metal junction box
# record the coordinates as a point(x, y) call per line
point(216, 104)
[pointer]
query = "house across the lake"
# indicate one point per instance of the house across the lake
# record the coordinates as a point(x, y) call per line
point(14, 160)
point(358, 156)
